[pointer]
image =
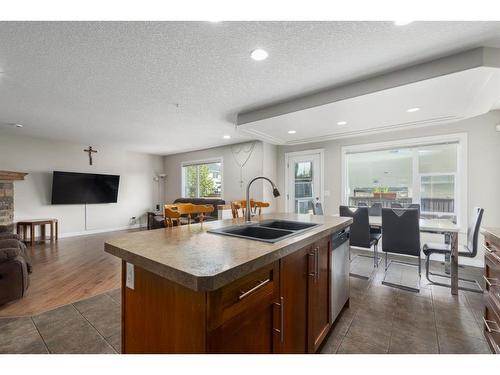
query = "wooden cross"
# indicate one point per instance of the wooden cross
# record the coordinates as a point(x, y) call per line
point(90, 151)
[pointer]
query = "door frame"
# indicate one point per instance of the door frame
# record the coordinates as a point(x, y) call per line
point(321, 153)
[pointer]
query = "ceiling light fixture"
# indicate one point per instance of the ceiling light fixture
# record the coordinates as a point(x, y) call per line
point(413, 109)
point(292, 132)
point(402, 23)
point(226, 136)
point(259, 54)
point(342, 123)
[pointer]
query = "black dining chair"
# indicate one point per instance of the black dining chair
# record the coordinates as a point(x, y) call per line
point(375, 210)
point(396, 205)
point(362, 204)
point(469, 251)
point(359, 231)
point(401, 236)
point(415, 206)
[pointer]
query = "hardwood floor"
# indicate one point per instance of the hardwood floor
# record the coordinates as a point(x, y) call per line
point(67, 271)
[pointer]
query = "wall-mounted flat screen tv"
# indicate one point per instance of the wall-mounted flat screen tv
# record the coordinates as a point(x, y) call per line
point(82, 188)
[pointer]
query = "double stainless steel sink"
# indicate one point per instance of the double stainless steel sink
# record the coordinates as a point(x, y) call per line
point(266, 231)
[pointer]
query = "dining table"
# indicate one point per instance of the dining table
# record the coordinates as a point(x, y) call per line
point(437, 226)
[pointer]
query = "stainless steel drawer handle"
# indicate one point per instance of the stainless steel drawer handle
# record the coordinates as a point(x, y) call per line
point(493, 253)
point(490, 282)
point(487, 248)
point(488, 328)
point(282, 318)
point(255, 288)
point(313, 254)
point(317, 263)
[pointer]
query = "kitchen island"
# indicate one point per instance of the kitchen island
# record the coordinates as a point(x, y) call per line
point(185, 290)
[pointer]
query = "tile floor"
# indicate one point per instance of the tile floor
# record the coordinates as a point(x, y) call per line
point(380, 319)
point(383, 319)
point(89, 326)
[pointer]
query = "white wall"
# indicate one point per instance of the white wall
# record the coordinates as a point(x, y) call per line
point(39, 157)
point(483, 164)
point(262, 162)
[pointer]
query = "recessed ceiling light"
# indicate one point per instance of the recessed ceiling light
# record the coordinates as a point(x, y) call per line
point(402, 23)
point(259, 54)
point(342, 123)
point(226, 136)
point(15, 124)
point(292, 132)
point(414, 109)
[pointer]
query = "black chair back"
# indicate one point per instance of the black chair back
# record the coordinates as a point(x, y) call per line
point(473, 231)
point(401, 231)
point(362, 204)
point(416, 206)
point(396, 205)
point(359, 232)
point(375, 209)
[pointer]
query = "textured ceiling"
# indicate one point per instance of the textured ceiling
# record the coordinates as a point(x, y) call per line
point(167, 87)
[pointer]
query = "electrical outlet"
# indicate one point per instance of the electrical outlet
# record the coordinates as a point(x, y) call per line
point(130, 279)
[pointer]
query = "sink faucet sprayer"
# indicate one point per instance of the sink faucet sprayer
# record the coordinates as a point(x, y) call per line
point(276, 193)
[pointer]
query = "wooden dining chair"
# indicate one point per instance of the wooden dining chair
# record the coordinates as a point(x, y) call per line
point(255, 206)
point(235, 208)
point(175, 213)
point(172, 216)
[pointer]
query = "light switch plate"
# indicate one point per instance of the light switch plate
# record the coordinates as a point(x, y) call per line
point(130, 282)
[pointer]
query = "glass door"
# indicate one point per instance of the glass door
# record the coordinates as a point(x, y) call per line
point(304, 178)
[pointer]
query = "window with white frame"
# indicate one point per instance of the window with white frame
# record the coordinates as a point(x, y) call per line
point(202, 179)
point(427, 173)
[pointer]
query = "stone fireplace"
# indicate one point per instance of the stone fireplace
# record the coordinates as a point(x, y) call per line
point(7, 179)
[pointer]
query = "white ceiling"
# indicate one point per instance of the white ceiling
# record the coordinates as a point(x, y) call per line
point(117, 82)
point(441, 100)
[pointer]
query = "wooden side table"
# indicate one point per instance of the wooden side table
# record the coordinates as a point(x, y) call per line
point(25, 225)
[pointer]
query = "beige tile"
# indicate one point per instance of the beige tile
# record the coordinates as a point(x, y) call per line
point(19, 336)
point(449, 344)
point(354, 346)
point(332, 344)
point(404, 343)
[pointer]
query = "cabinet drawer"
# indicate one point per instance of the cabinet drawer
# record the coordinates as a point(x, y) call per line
point(492, 277)
point(492, 326)
point(243, 295)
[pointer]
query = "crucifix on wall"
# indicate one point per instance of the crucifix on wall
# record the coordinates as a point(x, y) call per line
point(90, 151)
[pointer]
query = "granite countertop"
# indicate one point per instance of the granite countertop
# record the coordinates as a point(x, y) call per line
point(495, 232)
point(203, 261)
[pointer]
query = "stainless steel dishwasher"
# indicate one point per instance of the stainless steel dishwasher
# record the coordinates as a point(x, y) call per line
point(340, 265)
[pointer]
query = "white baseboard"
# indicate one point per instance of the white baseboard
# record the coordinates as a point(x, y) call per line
point(97, 231)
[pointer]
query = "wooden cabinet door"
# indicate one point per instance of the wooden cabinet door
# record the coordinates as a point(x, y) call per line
point(293, 295)
point(243, 317)
point(250, 333)
point(319, 295)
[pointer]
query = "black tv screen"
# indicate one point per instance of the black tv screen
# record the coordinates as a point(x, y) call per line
point(80, 188)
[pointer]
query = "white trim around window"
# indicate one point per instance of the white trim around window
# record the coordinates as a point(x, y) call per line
point(461, 175)
point(321, 152)
point(219, 159)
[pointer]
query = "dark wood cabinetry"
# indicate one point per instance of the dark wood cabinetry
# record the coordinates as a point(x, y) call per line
point(294, 270)
point(283, 307)
point(241, 315)
point(318, 308)
point(492, 281)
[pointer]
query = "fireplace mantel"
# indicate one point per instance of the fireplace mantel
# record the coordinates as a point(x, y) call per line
point(11, 176)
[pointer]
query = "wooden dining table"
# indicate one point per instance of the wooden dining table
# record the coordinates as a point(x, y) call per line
point(437, 226)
